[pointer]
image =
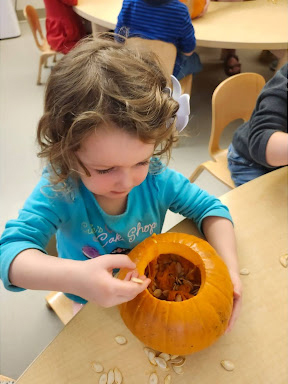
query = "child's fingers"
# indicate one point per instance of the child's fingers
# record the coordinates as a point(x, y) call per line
point(130, 289)
point(131, 274)
point(117, 261)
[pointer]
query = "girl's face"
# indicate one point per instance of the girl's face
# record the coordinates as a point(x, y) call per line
point(116, 161)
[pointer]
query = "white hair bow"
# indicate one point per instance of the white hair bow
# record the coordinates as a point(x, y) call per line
point(182, 115)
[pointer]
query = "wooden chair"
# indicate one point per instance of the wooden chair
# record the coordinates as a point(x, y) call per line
point(167, 55)
point(5, 379)
point(31, 15)
point(234, 98)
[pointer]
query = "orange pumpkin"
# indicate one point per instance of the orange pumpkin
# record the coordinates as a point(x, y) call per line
point(196, 7)
point(186, 326)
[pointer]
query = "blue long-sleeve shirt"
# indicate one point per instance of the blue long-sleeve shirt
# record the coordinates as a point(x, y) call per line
point(169, 22)
point(84, 230)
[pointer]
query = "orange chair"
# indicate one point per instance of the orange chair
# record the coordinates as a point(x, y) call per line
point(31, 15)
point(234, 98)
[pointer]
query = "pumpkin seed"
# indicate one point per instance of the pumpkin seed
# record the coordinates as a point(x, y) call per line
point(244, 271)
point(110, 378)
point(179, 361)
point(165, 356)
point(153, 379)
point(178, 298)
point(121, 340)
point(157, 293)
point(97, 367)
point(118, 376)
point(160, 362)
point(284, 260)
point(151, 357)
point(147, 350)
point(172, 357)
point(167, 379)
point(136, 280)
point(103, 378)
point(178, 370)
point(228, 365)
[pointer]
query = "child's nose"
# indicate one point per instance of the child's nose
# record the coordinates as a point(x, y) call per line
point(126, 179)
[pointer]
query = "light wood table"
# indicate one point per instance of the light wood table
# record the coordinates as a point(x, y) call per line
point(258, 343)
point(256, 24)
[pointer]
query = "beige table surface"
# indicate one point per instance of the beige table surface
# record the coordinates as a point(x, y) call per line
point(256, 24)
point(258, 344)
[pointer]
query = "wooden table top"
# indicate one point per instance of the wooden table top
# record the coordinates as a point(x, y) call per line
point(258, 343)
point(256, 24)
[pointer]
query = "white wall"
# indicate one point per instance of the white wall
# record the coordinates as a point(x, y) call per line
point(38, 4)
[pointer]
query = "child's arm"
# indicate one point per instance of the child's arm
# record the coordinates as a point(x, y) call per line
point(91, 279)
point(220, 234)
point(277, 149)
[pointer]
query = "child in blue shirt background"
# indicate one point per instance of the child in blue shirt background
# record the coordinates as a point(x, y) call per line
point(108, 117)
point(166, 20)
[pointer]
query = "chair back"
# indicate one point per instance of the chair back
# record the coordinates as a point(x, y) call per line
point(166, 52)
point(234, 98)
point(31, 15)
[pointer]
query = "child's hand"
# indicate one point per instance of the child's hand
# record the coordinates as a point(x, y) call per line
point(95, 282)
point(237, 299)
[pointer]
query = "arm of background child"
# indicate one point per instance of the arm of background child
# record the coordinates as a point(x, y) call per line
point(277, 149)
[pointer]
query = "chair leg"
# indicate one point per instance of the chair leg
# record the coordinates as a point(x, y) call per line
point(61, 305)
point(196, 173)
point(41, 62)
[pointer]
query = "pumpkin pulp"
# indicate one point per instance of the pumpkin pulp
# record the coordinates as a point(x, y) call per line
point(173, 278)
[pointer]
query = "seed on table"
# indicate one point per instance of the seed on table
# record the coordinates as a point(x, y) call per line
point(151, 357)
point(153, 379)
point(244, 271)
point(284, 260)
point(165, 356)
point(147, 350)
point(178, 370)
point(167, 379)
point(160, 362)
point(120, 340)
point(103, 378)
point(179, 361)
point(228, 365)
point(118, 376)
point(110, 378)
point(97, 367)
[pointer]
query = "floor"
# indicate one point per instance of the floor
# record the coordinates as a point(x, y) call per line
point(26, 325)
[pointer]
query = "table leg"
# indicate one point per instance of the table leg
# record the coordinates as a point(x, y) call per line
point(97, 29)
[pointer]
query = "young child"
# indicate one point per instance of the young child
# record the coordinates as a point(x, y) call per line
point(64, 27)
point(108, 116)
point(166, 20)
point(261, 144)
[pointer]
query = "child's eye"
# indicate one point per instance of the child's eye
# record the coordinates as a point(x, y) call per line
point(103, 171)
point(146, 162)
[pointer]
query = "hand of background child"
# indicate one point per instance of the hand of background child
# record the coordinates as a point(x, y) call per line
point(96, 283)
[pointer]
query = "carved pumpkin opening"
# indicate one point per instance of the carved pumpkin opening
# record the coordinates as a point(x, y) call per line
point(173, 278)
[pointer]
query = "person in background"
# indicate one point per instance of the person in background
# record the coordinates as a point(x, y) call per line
point(166, 20)
point(109, 116)
point(261, 144)
point(64, 28)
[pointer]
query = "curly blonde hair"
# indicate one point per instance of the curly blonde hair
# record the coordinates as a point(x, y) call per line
point(102, 81)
